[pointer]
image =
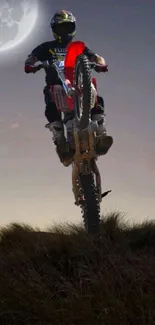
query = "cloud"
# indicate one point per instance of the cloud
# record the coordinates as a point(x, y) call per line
point(15, 125)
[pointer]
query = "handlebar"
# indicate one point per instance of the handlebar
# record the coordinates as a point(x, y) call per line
point(97, 67)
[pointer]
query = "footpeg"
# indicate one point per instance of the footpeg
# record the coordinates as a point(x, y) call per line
point(105, 193)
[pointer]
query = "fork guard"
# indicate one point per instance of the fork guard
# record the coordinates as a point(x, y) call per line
point(80, 167)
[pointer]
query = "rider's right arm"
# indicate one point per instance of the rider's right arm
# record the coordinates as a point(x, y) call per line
point(29, 63)
point(38, 54)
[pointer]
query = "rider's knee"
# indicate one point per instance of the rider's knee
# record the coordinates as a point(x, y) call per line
point(51, 112)
point(99, 107)
point(100, 101)
point(47, 95)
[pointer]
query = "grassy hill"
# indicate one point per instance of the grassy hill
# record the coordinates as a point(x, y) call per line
point(63, 276)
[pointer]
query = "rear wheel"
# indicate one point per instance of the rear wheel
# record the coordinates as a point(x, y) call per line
point(90, 204)
point(83, 91)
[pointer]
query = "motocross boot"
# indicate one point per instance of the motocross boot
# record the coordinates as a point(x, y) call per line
point(104, 141)
point(62, 147)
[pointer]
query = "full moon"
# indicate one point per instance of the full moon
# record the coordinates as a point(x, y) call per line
point(17, 19)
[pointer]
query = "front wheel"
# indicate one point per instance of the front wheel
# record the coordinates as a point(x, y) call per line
point(90, 204)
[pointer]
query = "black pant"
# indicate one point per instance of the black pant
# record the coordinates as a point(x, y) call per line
point(52, 113)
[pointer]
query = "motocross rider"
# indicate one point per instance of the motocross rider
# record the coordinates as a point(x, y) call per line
point(63, 25)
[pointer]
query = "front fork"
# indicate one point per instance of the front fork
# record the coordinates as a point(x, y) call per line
point(85, 162)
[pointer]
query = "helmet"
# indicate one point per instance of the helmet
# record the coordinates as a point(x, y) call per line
point(63, 25)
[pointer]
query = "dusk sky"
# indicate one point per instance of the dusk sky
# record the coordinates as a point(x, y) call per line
point(34, 187)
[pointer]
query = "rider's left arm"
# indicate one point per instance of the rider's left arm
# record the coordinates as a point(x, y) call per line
point(98, 59)
point(94, 57)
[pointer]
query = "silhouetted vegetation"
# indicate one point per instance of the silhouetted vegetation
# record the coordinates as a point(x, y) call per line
point(63, 276)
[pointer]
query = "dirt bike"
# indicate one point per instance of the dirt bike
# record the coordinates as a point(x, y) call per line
point(78, 93)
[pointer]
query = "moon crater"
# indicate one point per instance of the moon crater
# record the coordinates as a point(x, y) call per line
point(16, 21)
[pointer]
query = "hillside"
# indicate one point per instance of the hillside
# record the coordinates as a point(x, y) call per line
point(65, 277)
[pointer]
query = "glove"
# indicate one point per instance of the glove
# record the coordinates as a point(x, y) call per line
point(29, 69)
point(32, 68)
point(101, 68)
